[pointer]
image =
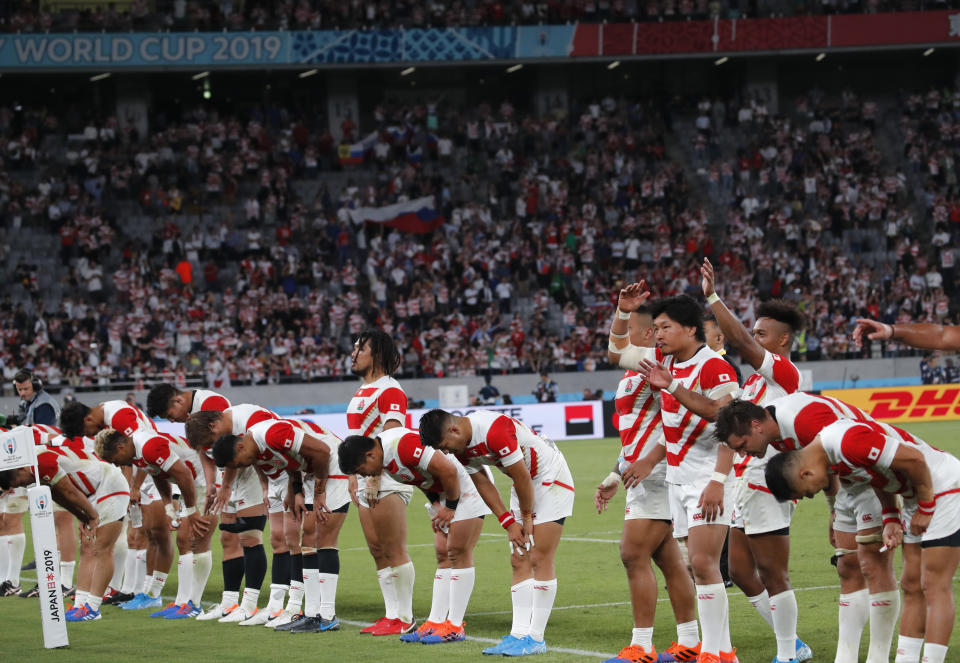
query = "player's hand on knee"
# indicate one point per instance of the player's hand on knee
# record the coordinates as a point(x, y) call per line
point(711, 501)
point(920, 522)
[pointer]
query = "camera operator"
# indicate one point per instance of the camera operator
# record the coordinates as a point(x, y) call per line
point(36, 405)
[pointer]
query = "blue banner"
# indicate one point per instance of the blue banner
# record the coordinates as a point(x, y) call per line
point(199, 50)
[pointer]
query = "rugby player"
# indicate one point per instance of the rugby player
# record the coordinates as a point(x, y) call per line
point(400, 454)
point(377, 406)
point(647, 528)
point(866, 459)
point(868, 587)
point(699, 477)
point(97, 494)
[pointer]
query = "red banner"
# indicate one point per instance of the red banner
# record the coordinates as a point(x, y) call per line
point(767, 34)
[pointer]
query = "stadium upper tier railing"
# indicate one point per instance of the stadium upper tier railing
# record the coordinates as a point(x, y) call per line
point(331, 48)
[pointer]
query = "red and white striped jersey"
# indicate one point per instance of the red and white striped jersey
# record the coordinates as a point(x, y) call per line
point(51, 431)
point(204, 400)
point(861, 456)
point(502, 441)
point(245, 416)
point(776, 378)
point(41, 434)
point(80, 443)
point(406, 459)
point(375, 404)
point(314, 429)
point(691, 446)
point(638, 416)
point(802, 416)
point(278, 448)
point(157, 452)
point(125, 418)
point(84, 470)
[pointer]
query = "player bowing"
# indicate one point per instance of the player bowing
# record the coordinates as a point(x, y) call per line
point(400, 453)
point(541, 498)
point(97, 494)
point(866, 459)
point(168, 458)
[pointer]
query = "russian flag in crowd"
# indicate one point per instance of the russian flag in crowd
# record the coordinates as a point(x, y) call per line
point(413, 216)
point(353, 153)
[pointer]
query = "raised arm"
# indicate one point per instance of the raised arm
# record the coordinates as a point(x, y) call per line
point(631, 298)
point(734, 331)
point(922, 335)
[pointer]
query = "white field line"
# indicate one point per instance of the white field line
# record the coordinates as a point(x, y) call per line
point(562, 650)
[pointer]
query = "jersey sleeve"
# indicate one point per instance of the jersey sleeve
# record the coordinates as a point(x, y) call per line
point(862, 446)
point(717, 379)
point(812, 419)
point(48, 466)
point(392, 404)
point(125, 421)
point(412, 453)
point(218, 403)
point(502, 440)
point(157, 451)
point(777, 370)
point(632, 355)
point(283, 436)
point(257, 417)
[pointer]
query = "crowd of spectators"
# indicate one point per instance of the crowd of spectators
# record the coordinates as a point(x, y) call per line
point(817, 212)
point(220, 245)
point(189, 15)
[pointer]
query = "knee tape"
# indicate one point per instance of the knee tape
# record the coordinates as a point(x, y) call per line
point(245, 525)
point(864, 539)
point(306, 550)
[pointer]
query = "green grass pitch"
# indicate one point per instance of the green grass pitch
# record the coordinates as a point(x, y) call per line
point(591, 619)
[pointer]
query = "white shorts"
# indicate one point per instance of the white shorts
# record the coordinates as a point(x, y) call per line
point(245, 492)
point(14, 502)
point(649, 500)
point(683, 504)
point(338, 492)
point(945, 521)
point(200, 489)
point(388, 486)
point(471, 505)
point(276, 493)
point(552, 497)
point(857, 511)
point(756, 510)
point(112, 497)
point(148, 492)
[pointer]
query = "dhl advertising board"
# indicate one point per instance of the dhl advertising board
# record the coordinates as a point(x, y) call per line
point(933, 402)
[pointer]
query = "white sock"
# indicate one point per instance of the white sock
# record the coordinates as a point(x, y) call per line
point(277, 594)
point(311, 585)
point(119, 559)
point(141, 578)
point(250, 597)
point(521, 595)
point(328, 595)
point(688, 634)
point(853, 614)
point(184, 578)
point(66, 573)
point(461, 587)
point(761, 603)
point(228, 600)
point(156, 584)
point(18, 543)
point(713, 609)
point(784, 609)
point(295, 601)
point(934, 653)
point(908, 649)
point(884, 610)
point(440, 605)
point(643, 637)
point(94, 602)
point(388, 589)
point(403, 579)
point(80, 598)
point(4, 558)
point(544, 593)
point(129, 572)
point(202, 564)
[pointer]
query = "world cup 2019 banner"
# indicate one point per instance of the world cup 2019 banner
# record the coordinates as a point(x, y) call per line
point(935, 402)
point(304, 48)
point(556, 421)
point(17, 450)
